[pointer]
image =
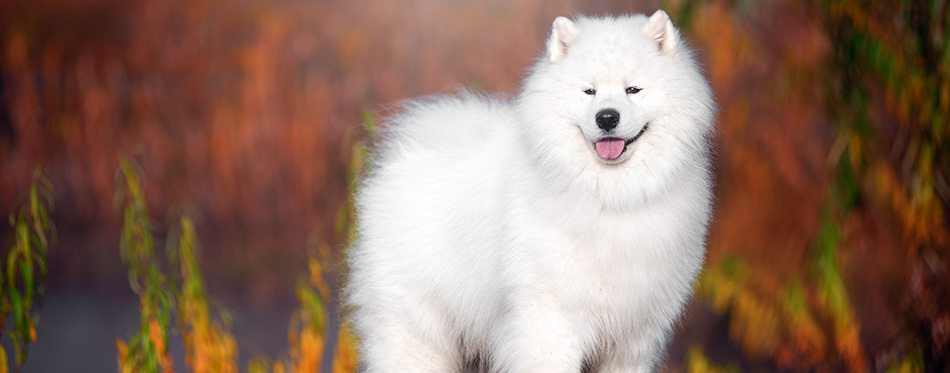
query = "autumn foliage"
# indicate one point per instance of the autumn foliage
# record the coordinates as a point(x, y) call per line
point(830, 248)
point(209, 346)
point(830, 243)
point(23, 270)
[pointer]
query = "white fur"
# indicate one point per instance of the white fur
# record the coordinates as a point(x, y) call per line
point(494, 230)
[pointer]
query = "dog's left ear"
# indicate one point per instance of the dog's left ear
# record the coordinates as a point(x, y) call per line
point(660, 28)
point(563, 34)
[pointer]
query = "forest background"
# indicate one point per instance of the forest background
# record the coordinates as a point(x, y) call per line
point(191, 163)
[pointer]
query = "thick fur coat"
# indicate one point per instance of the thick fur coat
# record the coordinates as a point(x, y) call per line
point(560, 232)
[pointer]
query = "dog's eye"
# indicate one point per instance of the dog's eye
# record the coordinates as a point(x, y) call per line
point(590, 91)
point(633, 90)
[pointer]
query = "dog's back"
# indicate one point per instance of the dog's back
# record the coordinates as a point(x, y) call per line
point(424, 266)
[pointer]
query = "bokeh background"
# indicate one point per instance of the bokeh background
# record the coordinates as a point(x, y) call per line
point(828, 251)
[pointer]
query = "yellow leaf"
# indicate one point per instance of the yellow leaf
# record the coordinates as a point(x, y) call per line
point(122, 348)
point(3, 360)
point(345, 361)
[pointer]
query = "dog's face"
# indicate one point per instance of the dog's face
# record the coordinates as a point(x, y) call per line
point(620, 99)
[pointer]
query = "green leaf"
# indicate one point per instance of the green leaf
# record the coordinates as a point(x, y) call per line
point(11, 268)
point(28, 285)
point(41, 263)
point(17, 302)
point(17, 348)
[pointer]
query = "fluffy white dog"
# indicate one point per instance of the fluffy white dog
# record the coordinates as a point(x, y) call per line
point(561, 232)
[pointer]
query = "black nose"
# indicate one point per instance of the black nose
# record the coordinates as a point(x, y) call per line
point(607, 119)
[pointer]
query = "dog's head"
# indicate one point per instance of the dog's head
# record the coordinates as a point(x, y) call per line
point(620, 100)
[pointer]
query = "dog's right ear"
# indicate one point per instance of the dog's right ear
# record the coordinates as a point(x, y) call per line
point(563, 33)
point(660, 28)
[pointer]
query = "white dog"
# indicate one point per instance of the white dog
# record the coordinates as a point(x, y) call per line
point(558, 233)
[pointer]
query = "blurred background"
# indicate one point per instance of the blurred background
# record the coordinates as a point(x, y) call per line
point(828, 250)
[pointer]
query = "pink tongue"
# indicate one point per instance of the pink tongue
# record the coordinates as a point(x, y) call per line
point(609, 148)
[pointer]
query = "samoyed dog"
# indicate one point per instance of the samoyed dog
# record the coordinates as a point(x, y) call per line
point(560, 232)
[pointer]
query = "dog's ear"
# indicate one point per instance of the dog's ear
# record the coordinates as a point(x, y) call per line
point(661, 30)
point(563, 34)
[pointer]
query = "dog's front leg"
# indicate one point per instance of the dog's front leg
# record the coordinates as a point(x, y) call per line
point(537, 337)
point(640, 352)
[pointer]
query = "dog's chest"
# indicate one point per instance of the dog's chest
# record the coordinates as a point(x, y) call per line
point(630, 261)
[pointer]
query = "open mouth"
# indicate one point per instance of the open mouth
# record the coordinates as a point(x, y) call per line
point(611, 148)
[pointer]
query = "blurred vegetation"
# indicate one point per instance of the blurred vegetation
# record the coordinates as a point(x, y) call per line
point(23, 280)
point(889, 94)
point(828, 252)
point(147, 350)
point(885, 84)
point(698, 362)
point(209, 346)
